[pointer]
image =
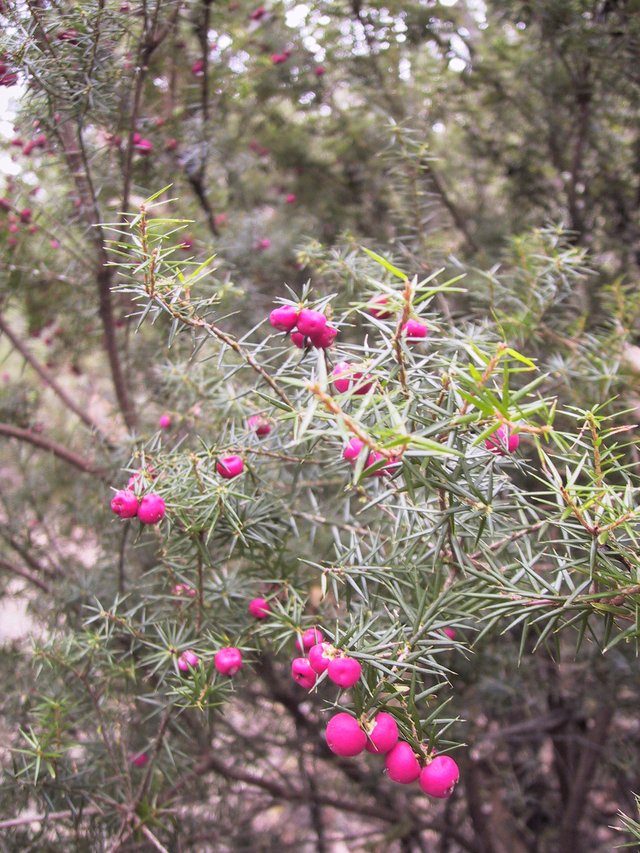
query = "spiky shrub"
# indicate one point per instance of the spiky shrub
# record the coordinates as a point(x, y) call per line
point(437, 536)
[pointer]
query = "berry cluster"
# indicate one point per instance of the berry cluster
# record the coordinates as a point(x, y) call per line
point(227, 661)
point(348, 737)
point(127, 503)
point(312, 328)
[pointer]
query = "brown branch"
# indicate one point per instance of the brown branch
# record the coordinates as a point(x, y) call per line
point(49, 380)
point(23, 573)
point(52, 446)
point(50, 816)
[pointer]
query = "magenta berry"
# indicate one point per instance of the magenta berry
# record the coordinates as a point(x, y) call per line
point(376, 309)
point(450, 633)
point(228, 661)
point(383, 734)
point(344, 736)
point(309, 638)
point(284, 318)
point(184, 589)
point(302, 672)
point(188, 660)
point(298, 339)
point(325, 337)
point(311, 323)
point(440, 777)
point(341, 368)
point(140, 759)
point(151, 509)
point(259, 608)
point(352, 450)
point(259, 424)
point(230, 467)
point(502, 441)
point(372, 459)
point(164, 422)
point(290, 198)
point(320, 657)
point(363, 383)
point(344, 671)
point(415, 330)
point(125, 503)
point(402, 764)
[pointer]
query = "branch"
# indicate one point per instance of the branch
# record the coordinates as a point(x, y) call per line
point(49, 380)
point(23, 573)
point(52, 446)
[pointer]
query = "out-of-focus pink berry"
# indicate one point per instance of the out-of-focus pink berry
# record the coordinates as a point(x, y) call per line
point(140, 759)
point(450, 633)
point(164, 421)
point(125, 504)
point(263, 244)
point(259, 424)
point(319, 70)
point(502, 441)
point(259, 608)
point(415, 330)
point(290, 198)
point(228, 661)
point(352, 450)
point(230, 466)
point(188, 660)
point(374, 307)
point(151, 509)
point(197, 69)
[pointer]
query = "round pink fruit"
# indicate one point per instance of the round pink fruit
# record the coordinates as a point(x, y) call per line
point(502, 441)
point(302, 672)
point(125, 503)
point(188, 660)
point(341, 368)
point(311, 323)
point(344, 736)
point(164, 422)
point(228, 661)
point(259, 608)
point(415, 330)
point(344, 672)
point(284, 318)
point(230, 467)
point(352, 450)
point(324, 338)
point(259, 424)
point(402, 764)
point(309, 638)
point(450, 633)
point(374, 307)
point(140, 759)
point(440, 777)
point(383, 735)
point(151, 509)
point(320, 657)
point(298, 339)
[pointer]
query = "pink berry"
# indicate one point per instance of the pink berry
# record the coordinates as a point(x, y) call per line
point(151, 509)
point(188, 660)
point(284, 318)
point(303, 673)
point(383, 736)
point(319, 71)
point(259, 424)
point(311, 323)
point(279, 58)
point(361, 386)
point(309, 638)
point(415, 330)
point(184, 589)
point(344, 672)
point(291, 198)
point(139, 760)
point(402, 764)
point(230, 467)
point(318, 657)
point(258, 13)
point(379, 312)
point(502, 441)
point(263, 244)
point(259, 608)
point(298, 339)
point(372, 459)
point(164, 422)
point(450, 633)
point(325, 337)
point(228, 661)
point(439, 778)
point(344, 736)
point(352, 450)
point(341, 368)
point(144, 146)
point(125, 504)
point(197, 68)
